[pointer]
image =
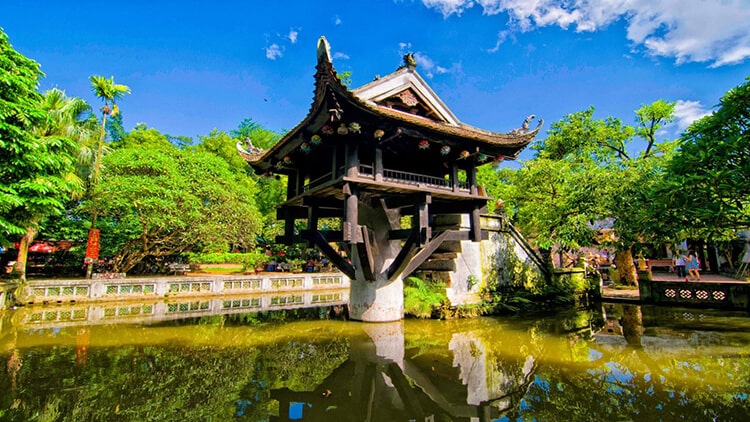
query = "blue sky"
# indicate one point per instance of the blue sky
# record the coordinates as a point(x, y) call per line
point(195, 66)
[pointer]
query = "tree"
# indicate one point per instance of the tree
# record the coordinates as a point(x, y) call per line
point(585, 172)
point(162, 201)
point(707, 183)
point(19, 109)
point(67, 120)
point(271, 190)
point(109, 92)
point(36, 150)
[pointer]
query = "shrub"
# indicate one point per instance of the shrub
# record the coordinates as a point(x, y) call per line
point(422, 299)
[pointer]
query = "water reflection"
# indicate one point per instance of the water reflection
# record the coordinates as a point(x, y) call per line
point(615, 363)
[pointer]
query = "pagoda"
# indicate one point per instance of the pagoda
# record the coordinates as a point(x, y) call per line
point(390, 161)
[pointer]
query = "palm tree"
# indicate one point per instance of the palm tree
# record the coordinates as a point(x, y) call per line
point(108, 91)
point(67, 122)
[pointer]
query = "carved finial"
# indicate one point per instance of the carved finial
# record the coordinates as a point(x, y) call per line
point(410, 61)
point(324, 50)
point(525, 125)
point(524, 129)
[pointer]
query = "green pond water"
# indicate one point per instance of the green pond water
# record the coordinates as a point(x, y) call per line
point(612, 363)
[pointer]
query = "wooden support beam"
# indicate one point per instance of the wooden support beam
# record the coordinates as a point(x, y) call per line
point(462, 207)
point(403, 257)
point(406, 201)
point(391, 137)
point(364, 255)
point(337, 260)
point(328, 203)
point(329, 235)
point(405, 392)
point(425, 253)
point(399, 234)
point(301, 212)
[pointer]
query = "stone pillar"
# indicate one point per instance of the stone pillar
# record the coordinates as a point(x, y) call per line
point(377, 300)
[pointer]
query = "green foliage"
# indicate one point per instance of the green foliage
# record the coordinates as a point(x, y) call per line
point(261, 138)
point(162, 201)
point(223, 146)
point(346, 78)
point(248, 260)
point(422, 299)
point(584, 172)
point(19, 111)
point(36, 159)
point(706, 190)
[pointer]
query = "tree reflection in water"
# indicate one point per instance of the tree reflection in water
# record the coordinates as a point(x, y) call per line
point(618, 363)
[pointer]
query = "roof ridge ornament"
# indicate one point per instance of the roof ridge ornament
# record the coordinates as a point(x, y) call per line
point(409, 61)
point(251, 153)
point(324, 50)
point(524, 129)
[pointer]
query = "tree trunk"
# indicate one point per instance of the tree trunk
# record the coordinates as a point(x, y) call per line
point(23, 252)
point(624, 263)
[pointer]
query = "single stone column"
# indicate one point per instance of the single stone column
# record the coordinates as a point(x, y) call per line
point(378, 300)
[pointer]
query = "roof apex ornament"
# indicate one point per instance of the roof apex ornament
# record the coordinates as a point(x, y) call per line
point(409, 61)
point(324, 50)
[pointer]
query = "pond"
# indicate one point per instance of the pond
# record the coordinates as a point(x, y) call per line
point(615, 362)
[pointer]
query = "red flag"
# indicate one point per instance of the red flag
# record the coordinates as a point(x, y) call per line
point(92, 247)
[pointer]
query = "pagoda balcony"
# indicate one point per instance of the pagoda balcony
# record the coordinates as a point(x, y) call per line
point(396, 180)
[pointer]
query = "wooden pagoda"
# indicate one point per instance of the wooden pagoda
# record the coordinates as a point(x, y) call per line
point(371, 156)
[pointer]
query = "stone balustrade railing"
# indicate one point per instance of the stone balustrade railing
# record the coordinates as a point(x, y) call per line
point(60, 291)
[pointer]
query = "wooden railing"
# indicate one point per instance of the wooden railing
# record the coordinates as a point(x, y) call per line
point(393, 176)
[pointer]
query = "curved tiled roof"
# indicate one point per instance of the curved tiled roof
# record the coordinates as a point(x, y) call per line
point(329, 87)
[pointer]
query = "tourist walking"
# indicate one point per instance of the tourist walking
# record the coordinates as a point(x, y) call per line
point(678, 261)
point(693, 266)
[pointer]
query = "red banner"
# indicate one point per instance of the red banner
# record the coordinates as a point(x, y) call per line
point(92, 247)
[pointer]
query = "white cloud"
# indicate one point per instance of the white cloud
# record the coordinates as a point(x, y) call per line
point(336, 20)
point(339, 55)
point(686, 112)
point(273, 52)
point(716, 32)
point(293, 35)
point(501, 37)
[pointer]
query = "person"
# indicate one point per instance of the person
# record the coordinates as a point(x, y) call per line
point(693, 267)
point(679, 264)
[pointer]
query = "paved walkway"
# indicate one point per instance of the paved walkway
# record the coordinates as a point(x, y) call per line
point(632, 294)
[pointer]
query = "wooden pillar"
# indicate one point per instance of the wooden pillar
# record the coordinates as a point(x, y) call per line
point(454, 177)
point(291, 186)
point(312, 222)
point(421, 219)
point(476, 227)
point(378, 164)
point(471, 177)
point(300, 182)
point(289, 229)
point(334, 163)
point(351, 230)
point(352, 159)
